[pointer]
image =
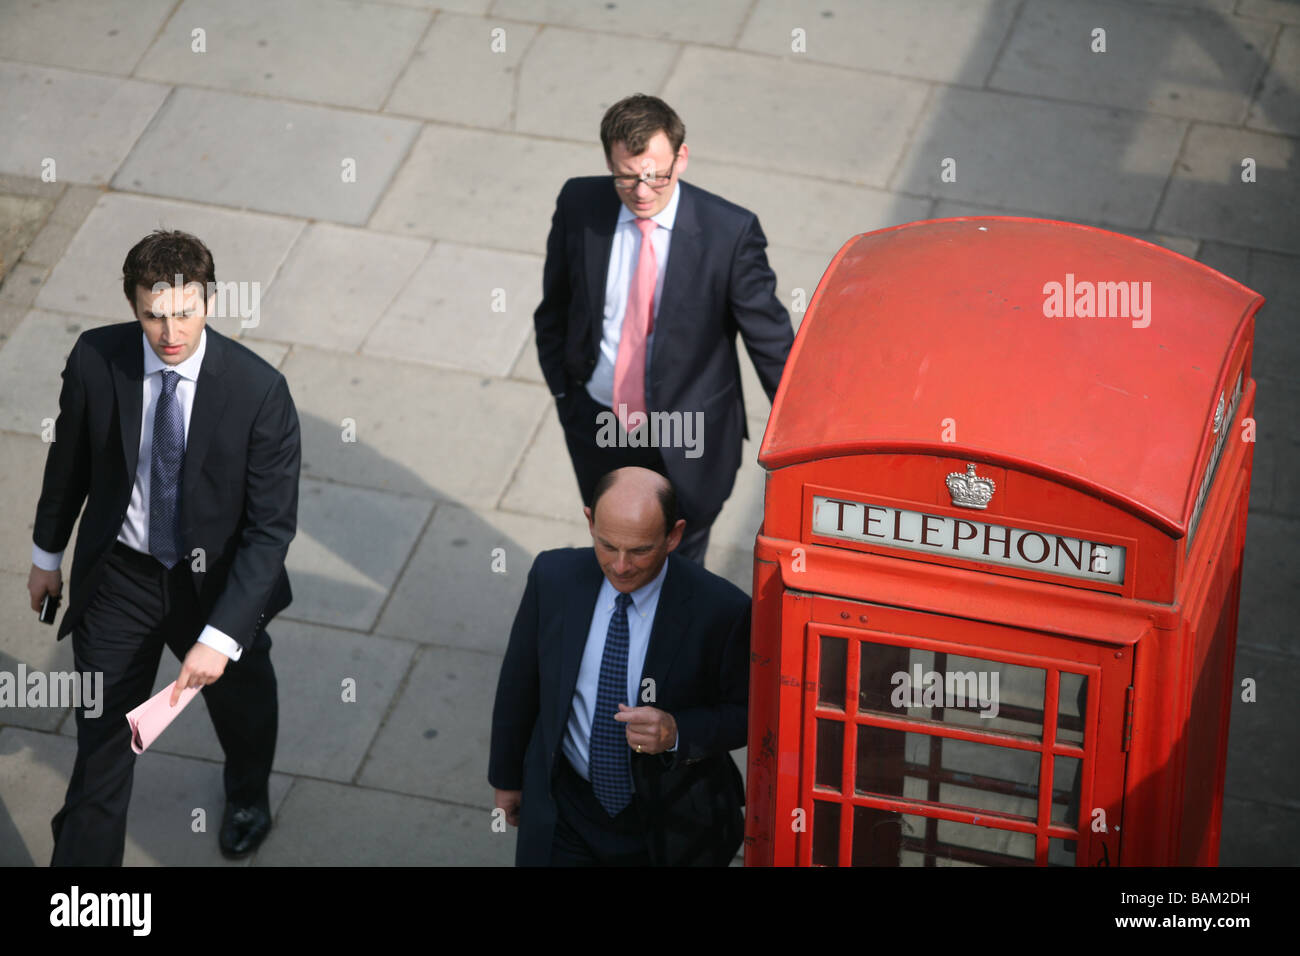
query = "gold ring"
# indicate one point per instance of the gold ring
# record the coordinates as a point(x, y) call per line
point(638, 748)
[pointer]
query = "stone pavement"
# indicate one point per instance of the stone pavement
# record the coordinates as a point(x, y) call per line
point(461, 119)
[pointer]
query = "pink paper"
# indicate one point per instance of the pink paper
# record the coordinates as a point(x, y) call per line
point(151, 718)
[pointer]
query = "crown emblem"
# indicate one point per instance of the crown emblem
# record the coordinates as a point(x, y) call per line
point(969, 491)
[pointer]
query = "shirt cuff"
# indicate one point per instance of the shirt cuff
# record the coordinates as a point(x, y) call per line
point(46, 560)
point(676, 742)
point(220, 641)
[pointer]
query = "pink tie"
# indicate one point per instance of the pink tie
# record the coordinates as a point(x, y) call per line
point(638, 320)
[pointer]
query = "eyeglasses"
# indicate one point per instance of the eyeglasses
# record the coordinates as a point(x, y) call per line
point(653, 180)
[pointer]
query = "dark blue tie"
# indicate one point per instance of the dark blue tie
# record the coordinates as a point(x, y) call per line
point(611, 774)
point(165, 473)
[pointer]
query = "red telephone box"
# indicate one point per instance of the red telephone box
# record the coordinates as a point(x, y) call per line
point(996, 587)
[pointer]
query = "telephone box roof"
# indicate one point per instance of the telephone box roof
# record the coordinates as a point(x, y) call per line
point(953, 324)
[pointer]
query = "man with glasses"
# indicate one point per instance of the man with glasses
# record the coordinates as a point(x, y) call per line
point(647, 281)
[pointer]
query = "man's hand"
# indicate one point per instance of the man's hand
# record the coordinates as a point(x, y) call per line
point(41, 582)
point(202, 666)
point(509, 801)
point(649, 729)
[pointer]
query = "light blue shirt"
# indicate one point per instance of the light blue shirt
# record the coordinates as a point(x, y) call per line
point(623, 256)
point(640, 620)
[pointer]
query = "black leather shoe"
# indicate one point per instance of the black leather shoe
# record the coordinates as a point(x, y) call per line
point(242, 830)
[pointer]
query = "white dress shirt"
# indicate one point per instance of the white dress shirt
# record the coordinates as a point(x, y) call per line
point(623, 257)
point(135, 529)
point(640, 620)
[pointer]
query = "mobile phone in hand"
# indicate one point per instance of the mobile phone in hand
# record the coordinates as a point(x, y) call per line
point(49, 608)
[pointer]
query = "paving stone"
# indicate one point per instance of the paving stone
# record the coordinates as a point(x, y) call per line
point(1264, 770)
point(479, 7)
point(246, 247)
point(713, 23)
point(329, 824)
point(1072, 162)
point(737, 99)
point(1258, 834)
point(1277, 449)
point(319, 734)
point(271, 352)
point(350, 55)
point(102, 36)
point(465, 308)
point(436, 740)
point(1184, 246)
point(26, 641)
point(556, 97)
point(544, 483)
point(526, 367)
point(30, 186)
point(951, 41)
point(1206, 196)
point(434, 434)
point(810, 215)
point(351, 545)
point(31, 366)
point(734, 564)
point(291, 157)
point(464, 53)
point(481, 188)
point(743, 512)
point(1276, 107)
point(75, 204)
point(49, 244)
point(335, 284)
point(22, 284)
point(1270, 582)
point(21, 218)
point(167, 792)
point(160, 823)
point(451, 592)
point(1158, 59)
point(84, 123)
point(11, 315)
point(1281, 11)
point(796, 270)
point(1277, 278)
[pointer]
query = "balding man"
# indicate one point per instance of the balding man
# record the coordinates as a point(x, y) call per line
point(624, 686)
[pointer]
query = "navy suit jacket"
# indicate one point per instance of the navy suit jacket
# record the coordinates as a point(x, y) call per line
point(239, 480)
point(698, 658)
point(717, 283)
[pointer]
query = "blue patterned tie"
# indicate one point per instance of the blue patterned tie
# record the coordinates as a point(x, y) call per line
point(165, 473)
point(611, 774)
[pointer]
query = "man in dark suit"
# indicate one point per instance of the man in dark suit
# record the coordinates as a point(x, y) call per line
point(647, 281)
point(624, 686)
point(184, 445)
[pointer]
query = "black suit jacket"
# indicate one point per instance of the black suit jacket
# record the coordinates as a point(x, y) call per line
point(717, 283)
point(698, 657)
point(239, 481)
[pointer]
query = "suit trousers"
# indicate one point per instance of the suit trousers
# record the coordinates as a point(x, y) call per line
point(140, 606)
point(578, 414)
point(585, 833)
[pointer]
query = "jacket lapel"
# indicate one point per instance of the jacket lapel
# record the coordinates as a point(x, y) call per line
point(684, 254)
point(574, 629)
point(128, 383)
point(672, 620)
point(598, 242)
point(210, 395)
